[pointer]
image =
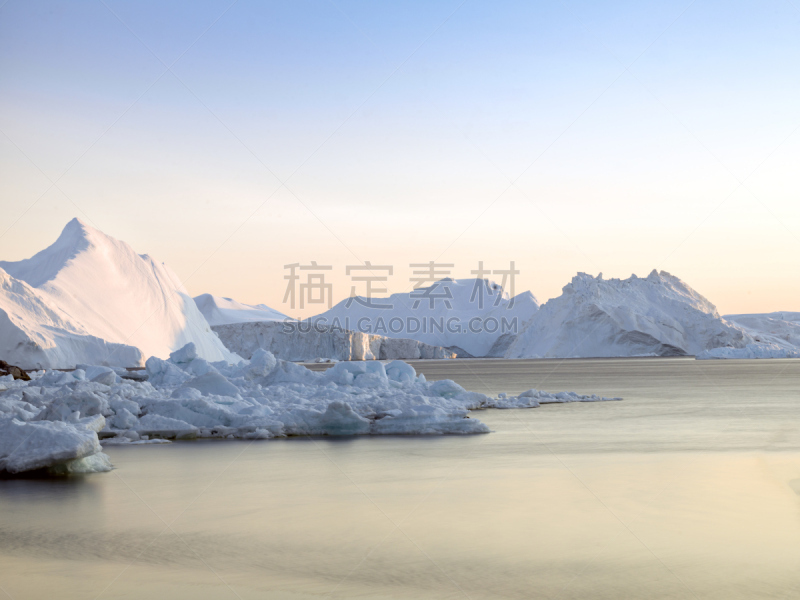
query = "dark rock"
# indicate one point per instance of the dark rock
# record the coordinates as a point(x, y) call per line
point(7, 369)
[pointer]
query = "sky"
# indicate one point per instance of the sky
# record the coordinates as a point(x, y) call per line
point(229, 139)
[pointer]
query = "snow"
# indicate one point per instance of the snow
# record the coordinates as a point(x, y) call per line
point(165, 426)
point(779, 327)
point(53, 420)
point(439, 315)
point(774, 335)
point(89, 298)
point(535, 398)
point(30, 445)
point(658, 315)
point(35, 332)
point(307, 342)
point(132, 438)
point(185, 355)
point(223, 311)
point(213, 384)
point(759, 350)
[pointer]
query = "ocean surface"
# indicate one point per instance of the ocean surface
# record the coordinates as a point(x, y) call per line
point(688, 488)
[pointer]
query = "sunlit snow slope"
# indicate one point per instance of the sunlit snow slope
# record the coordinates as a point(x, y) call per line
point(782, 327)
point(775, 335)
point(225, 311)
point(656, 315)
point(465, 314)
point(89, 298)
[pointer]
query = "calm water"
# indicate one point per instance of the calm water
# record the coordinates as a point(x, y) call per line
point(689, 488)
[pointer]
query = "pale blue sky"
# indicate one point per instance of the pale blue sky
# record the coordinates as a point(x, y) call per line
point(637, 135)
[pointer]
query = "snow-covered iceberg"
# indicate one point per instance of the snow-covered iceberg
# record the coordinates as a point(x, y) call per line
point(775, 335)
point(465, 315)
point(36, 332)
point(52, 420)
point(658, 315)
point(307, 341)
point(225, 311)
point(47, 435)
point(89, 298)
point(61, 447)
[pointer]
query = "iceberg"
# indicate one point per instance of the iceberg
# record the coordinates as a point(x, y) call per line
point(65, 447)
point(466, 316)
point(91, 299)
point(778, 327)
point(305, 341)
point(225, 311)
point(658, 315)
point(775, 335)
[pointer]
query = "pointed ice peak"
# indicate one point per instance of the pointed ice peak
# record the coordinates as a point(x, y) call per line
point(77, 229)
point(76, 222)
point(113, 295)
point(580, 281)
point(527, 298)
point(43, 266)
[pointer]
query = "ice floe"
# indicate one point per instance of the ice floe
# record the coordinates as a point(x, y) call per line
point(64, 447)
point(53, 420)
point(535, 398)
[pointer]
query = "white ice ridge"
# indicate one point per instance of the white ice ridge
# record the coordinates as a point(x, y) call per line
point(656, 315)
point(52, 420)
point(466, 315)
point(307, 342)
point(226, 311)
point(89, 298)
point(775, 335)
